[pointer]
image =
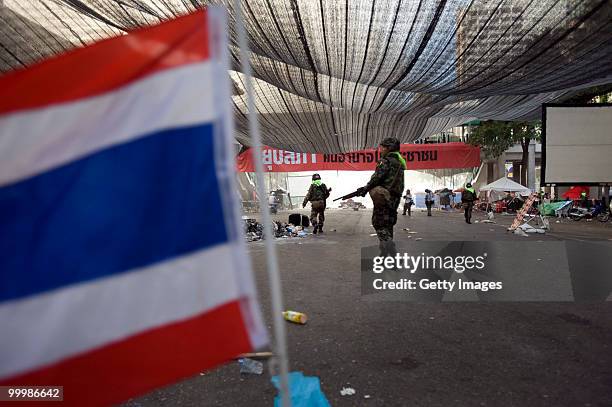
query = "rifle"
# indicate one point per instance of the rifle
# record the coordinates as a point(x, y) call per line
point(348, 196)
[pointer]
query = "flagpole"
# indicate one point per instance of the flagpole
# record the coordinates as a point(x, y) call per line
point(280, 344)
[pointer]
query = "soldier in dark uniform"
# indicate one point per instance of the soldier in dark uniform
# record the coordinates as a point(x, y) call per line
point(385, 188)
point(317, 195)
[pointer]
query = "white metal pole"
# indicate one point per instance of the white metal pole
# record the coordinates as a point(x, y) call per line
point(280, 344)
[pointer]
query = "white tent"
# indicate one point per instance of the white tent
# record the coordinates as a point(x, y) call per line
point(506, 185)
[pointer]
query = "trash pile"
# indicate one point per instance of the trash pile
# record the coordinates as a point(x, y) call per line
point(254, 230)
point(350, 204)
point(525, 228)
point(285, 230)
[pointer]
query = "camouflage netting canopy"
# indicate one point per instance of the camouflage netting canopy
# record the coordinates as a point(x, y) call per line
point(340, 75)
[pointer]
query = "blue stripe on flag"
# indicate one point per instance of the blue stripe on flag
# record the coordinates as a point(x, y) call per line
point(122, 208)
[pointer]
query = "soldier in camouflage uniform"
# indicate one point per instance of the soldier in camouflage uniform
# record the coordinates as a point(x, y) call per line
point(386, 187)
point(317, 195)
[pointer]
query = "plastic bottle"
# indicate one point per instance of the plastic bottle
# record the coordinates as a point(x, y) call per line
point(294, 316)
point(250, 366)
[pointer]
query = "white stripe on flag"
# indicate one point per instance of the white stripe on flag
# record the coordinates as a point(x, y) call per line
point(46, 328)
point(37, 140)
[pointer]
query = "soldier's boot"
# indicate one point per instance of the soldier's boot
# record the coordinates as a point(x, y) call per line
point(315, 228)
point(321, 221)
point(391, 249)
point(385, 241)
point(387, 249)
point(382, 248)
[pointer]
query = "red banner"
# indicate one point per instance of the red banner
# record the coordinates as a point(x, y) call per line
point(418, 157)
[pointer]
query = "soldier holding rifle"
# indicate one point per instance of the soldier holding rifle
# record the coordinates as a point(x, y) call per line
point(385, 188)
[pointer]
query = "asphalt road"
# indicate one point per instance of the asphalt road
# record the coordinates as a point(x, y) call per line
point(411, 354)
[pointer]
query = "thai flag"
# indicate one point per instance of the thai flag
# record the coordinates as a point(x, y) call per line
point(122, 262)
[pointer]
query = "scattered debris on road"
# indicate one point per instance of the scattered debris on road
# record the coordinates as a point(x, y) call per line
point(250, 366)
point(347, 391)
point(519, 231)
point(257, 355)
point(305, 391)
point(296, 317)
point(530, 229)
point(254, 230)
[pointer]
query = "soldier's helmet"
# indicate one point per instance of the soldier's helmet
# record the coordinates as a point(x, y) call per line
point(391, 143)
point(315, 177)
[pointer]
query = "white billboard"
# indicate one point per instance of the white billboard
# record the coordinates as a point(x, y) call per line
point(576, 144)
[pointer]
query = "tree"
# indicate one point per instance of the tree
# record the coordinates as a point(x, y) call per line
point(595, 94)
point(605, 98)
point(495, 137)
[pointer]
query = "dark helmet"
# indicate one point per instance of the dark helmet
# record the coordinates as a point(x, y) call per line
point(469, 185)
point(391, 143)
point(315, 177)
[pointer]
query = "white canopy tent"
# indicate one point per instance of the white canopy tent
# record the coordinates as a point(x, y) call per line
point(496, 189)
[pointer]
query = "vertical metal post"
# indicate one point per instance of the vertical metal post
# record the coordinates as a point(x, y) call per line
point(280, 339)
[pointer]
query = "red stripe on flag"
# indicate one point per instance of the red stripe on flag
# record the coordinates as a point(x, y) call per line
point(107, 65)
point(146, 361)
